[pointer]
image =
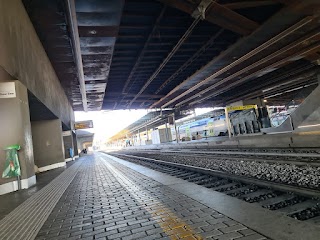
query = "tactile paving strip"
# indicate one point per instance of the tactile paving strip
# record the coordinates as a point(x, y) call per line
point(26, 220)
point(202, 222)
point(172, 225)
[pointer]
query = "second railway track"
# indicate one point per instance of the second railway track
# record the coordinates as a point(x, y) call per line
point(299, 202)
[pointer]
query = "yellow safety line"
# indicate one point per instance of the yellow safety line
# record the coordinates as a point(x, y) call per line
point(171, 224)
point(308, 133)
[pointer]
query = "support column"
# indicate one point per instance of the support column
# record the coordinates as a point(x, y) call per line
point(16, 129)
point(48, 144)
point(227, 121)
point(75, 144)
point(139, 137)
point(147, 132)
point(167, 133)
point(175, 128)
point(67, 143)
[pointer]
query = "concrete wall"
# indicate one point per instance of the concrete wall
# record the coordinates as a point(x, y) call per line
point(22, 56)
point(47, 143)
point(16, 129)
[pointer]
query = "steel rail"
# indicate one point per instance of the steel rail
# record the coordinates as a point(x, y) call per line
point(268, 184)
point(236, 157)
point(311, 155)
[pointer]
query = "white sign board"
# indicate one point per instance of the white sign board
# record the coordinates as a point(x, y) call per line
point(7, 90)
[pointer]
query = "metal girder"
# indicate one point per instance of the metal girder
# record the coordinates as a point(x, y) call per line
point(293, 75)
point(77, 51)
point(306, 51)
point(137, 101)
point(270, 57)
point(240, 60)
point(219, 15)
point(286, 2)
point(138, 60)
point(167, 59)
point(249, 4)
point(112, 94)
point(191, 60)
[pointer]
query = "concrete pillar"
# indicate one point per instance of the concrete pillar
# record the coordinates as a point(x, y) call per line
point(16, 129)
point(67, 143)
point(147, 132)
point(48, 145)
point(75, 145)
point(175, 128)
point(139, 137)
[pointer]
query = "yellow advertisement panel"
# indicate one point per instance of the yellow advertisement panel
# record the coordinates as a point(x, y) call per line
point(83, 125)
point(237, 108)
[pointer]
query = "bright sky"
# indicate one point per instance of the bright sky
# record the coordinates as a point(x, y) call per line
point(108, 123)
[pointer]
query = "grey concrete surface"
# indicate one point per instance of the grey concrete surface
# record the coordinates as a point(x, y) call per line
point(306, 108)
point(16, 129)
point(273, 225)
point(47, 142)
point(23, 57)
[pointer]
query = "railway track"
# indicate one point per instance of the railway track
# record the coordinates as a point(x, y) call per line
point(298, 202)
point(300, 161)
point(305, 155)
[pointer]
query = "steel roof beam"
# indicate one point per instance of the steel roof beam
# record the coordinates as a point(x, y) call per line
point(112, 94)
point(270, 57)
point(202, 50)
point(141, 55)
point(167, 59)
point(218, 15)
point(248, 4)
point(77, 50)
point(235, 63)
point(306, 51)
point(295, 75)
point(137, 101)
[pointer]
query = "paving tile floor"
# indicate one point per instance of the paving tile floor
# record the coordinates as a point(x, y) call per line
point(107, 200)
point(11, 200)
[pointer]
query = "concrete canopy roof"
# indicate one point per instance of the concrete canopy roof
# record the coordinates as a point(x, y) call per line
point(160, 54)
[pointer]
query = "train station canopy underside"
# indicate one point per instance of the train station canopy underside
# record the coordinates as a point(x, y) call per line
point(178, 53)
point(149, 121)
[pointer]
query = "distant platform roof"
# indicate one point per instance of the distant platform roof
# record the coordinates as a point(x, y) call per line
point(150, 120)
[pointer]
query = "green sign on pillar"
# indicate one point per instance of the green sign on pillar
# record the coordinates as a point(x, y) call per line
point(12, 166)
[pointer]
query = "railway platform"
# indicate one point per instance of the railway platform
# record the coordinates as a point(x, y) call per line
point(103, 197)
point(299, 139)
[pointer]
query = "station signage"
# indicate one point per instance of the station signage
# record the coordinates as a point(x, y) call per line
point(239, 108)
point(7, 90)
point(83, 125)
